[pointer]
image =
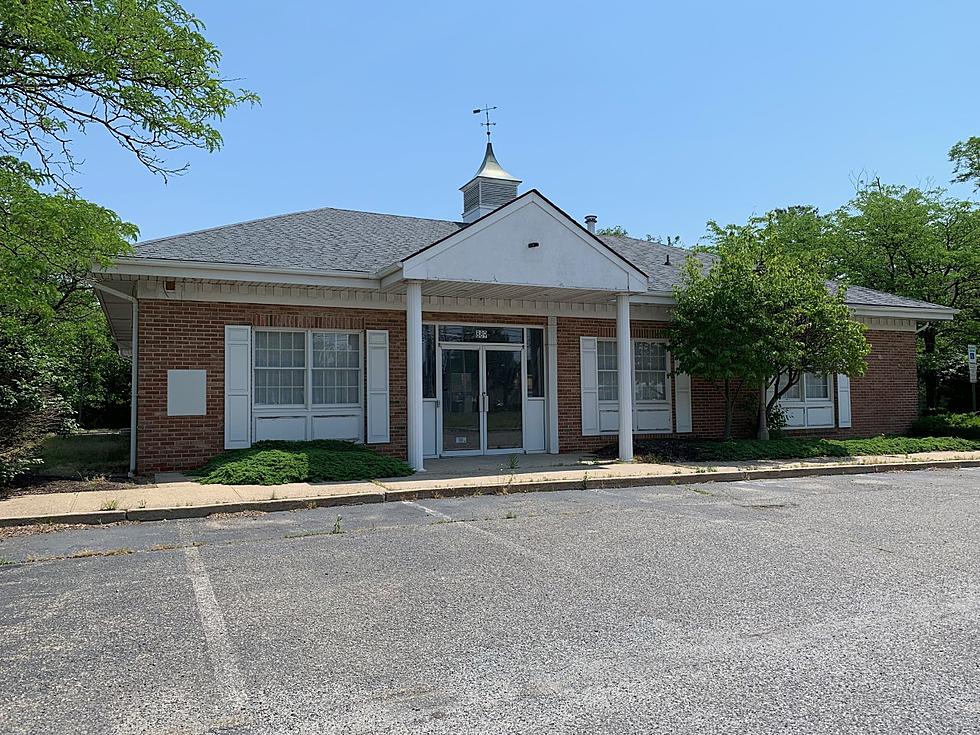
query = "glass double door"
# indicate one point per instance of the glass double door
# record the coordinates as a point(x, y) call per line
point(482, 400)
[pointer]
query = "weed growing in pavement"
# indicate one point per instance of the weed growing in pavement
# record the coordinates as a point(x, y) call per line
point(511, 515)
point(336, 526)
point(4, 560)
point(585, 481)
point(514, 462)
point(109, 505)
point(142, 503)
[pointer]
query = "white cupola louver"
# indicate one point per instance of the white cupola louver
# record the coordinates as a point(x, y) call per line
point(492, 187)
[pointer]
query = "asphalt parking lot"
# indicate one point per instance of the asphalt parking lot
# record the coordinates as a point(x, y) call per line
point(821, 605)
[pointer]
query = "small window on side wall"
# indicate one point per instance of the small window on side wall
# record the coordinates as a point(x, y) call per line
point(535, 363)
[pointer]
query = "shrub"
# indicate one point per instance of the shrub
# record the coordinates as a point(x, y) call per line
point(279, 462)
point(739, 450)
point(30, 406)
point(964, 425)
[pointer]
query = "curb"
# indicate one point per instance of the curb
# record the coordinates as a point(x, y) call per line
point(391, 496)
point(95, 517)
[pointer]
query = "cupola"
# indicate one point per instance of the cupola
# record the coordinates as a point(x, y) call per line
point(492, 187)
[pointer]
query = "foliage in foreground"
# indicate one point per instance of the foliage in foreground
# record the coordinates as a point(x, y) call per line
point(140, 72)
point(753, 449)
point(759, 318)
point(279, 462)
point(963, 425)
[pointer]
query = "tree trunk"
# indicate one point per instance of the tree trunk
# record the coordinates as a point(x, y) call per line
point(763, 421)
point(729, 409)
point(929, 377)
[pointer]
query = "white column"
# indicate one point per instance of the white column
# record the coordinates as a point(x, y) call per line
point(413, 318)
point(624, 359)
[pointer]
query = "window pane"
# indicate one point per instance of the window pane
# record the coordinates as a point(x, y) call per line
point(428, 361)
point(793, 394)
point(336, 368)
point(817, 386)
point(535, 363)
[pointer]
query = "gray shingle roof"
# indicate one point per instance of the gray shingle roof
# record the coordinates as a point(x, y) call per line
point(367, 242)
point(320, 239)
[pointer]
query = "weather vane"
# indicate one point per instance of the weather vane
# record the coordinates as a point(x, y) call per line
point(486, 111)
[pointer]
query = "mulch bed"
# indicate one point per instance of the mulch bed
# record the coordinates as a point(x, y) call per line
point(39, 485)
point(664, 450)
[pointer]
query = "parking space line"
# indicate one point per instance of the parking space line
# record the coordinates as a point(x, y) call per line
point(472, 526)
point(226, 669)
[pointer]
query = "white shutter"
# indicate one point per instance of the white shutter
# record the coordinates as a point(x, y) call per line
point(590, 385)
point(238, 383)
point(682, 403)
point(843, 401)
point(377, 387)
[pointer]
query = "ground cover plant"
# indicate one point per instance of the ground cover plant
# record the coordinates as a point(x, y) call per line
point(279, 462)
point(736, 450)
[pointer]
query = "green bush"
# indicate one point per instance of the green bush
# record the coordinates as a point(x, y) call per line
point(739, 450)
point(964, 425)
point(30, 406)
point(279, 462)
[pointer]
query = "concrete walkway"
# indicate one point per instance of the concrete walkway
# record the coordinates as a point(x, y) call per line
point(173, 495)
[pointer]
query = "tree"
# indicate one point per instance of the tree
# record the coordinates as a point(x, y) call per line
point(761, 316)
point(919, 244)
point(965, 157)
point(615, 231)
point(139, 71)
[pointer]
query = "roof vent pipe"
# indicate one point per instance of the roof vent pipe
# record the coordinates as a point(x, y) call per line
point(590, 222)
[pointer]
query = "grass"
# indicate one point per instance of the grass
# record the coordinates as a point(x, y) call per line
point(963, 425)
point(752, 449)
point(279, 462)
point(84, 455)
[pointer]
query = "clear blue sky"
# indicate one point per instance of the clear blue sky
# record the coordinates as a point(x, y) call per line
point(655, 116)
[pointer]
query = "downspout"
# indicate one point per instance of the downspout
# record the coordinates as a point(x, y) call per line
point(133, 377)
point(133, 371)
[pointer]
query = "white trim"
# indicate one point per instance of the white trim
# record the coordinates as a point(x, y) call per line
point(162, 267)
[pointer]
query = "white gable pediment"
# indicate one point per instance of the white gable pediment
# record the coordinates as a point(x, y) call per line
point(528, 242)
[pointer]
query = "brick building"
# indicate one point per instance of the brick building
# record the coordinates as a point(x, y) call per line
point(514, 330)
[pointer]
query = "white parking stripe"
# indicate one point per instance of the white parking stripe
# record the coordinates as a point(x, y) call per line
point(226, 670)
point(472, 526)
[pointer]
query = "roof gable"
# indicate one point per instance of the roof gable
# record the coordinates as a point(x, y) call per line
point(527, 242)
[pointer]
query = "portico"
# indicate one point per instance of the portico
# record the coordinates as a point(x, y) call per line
point(486, 400)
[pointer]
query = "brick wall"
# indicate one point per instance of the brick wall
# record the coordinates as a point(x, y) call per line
point(190, 335)
point(883, 401)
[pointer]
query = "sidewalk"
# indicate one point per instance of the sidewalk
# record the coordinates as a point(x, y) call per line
point(173, 495)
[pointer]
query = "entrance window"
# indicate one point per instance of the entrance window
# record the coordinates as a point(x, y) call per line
point(535, 363)
point(428, 361)
point(490, 335)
